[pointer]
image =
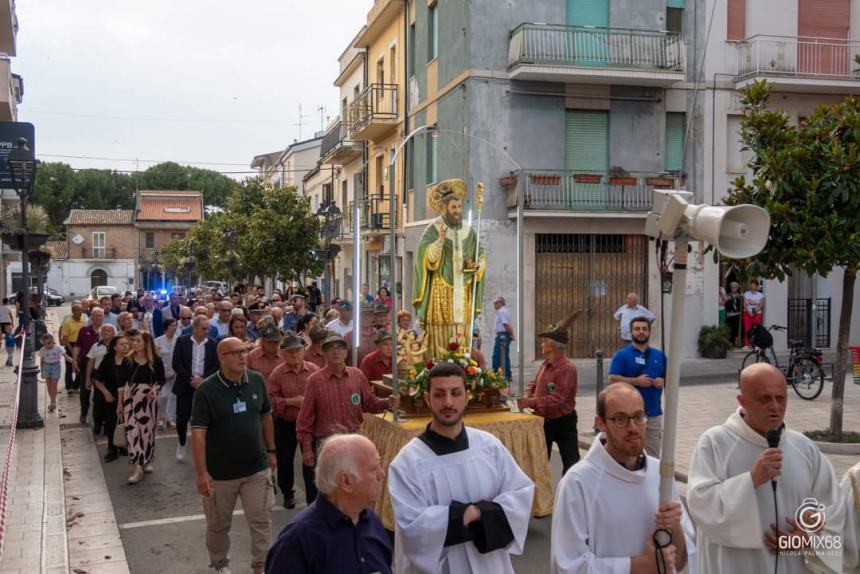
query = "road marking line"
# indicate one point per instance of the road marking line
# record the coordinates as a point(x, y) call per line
point(189, 518)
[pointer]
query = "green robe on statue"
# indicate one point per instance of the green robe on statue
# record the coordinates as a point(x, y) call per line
point(442, 285)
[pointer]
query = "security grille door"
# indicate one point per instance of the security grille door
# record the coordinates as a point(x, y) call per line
point(589, 272)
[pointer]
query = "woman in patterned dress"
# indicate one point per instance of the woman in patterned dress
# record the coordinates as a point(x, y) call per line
point(143, 374)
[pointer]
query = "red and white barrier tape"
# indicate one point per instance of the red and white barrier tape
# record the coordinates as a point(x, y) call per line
point(4, 480)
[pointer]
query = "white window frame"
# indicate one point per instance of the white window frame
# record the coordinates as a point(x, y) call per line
point(99, 244)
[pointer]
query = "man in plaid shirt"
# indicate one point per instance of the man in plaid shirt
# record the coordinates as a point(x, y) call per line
point(552, 395)
point(335, 399)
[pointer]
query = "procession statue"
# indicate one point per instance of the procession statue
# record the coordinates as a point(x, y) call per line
point(448, 279)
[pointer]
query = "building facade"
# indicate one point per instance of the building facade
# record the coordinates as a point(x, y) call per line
point(100, 249)
point(159, 217)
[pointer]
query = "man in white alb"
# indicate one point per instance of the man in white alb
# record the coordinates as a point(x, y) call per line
point(851, 540)
point(607, 506)
point(729, 491)
point(461, 504)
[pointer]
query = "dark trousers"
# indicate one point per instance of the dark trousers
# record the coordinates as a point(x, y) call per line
point(286, 444)
point(183, 415)
point(563, 432)
point(72, 382)
point(104, 415)
point(80, 382)
point(502, 353)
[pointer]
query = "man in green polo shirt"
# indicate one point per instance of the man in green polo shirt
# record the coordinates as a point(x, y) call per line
point(233, 442)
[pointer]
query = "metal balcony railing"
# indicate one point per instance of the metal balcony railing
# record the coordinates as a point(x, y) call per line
point(812, 58)
point(336, 144)
point(378, 102)
point(582, 46)
point(375, 215)
point(98, 253)
point(585, 191)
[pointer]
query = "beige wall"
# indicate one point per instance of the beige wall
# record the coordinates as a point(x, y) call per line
point(122, 238)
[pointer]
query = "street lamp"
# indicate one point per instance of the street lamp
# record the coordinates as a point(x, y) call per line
point(330, 217)
point(22, 167)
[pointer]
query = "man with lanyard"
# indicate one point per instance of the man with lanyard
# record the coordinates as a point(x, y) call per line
point(69, 331)
point(643, 367)
point(552, 394)
point(233, 441)
point(335, 399)
point(504, 331)
point(87, 337)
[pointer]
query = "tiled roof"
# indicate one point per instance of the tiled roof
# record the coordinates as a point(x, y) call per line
point(100, 217)
point(58, 249)
point(170, 206)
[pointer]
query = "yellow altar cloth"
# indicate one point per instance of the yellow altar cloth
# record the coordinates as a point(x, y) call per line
point(522, 435)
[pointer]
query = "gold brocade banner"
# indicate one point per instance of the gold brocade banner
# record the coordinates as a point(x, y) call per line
point(521, 434)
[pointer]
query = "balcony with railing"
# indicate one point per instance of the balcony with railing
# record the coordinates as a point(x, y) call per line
point(560, 190)
point(373, 113)
point(789, 63)
point(337, 149)
point(556, 53)
point(98, 253)
point(375, 216)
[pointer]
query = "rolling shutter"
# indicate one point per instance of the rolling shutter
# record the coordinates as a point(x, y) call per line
point(675, 4)
point(737, 20)
point(823, 18)
point(587, 140)
point(676, 125)
point(588, 13)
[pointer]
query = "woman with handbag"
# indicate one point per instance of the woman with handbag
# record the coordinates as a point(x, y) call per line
point(107, 381)
point(143, 374)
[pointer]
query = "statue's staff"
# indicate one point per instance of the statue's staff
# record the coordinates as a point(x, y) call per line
point(479, 200)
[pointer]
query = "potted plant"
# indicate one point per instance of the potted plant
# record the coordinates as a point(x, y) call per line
point(620, 176)
point(714, 341)
point(11, 231)
point(587, 178)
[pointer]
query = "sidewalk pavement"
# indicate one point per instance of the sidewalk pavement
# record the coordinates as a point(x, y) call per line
point(59, 516)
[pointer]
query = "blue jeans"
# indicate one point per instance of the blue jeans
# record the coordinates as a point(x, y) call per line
point(502, 353)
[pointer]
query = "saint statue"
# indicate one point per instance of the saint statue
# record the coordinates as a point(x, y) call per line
point(446, 267)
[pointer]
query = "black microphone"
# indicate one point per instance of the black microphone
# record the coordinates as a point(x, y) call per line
point(773, 442)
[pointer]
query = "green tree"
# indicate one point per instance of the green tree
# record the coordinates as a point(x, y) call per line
point(808, 179)
point(216, 187)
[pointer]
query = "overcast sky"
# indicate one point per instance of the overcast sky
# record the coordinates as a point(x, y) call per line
point(184, 80)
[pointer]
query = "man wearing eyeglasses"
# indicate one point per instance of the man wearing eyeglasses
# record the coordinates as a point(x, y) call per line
point(185, 317)
point(644, 367)
point(607, 507)
point(552, 394)
point(233, 441)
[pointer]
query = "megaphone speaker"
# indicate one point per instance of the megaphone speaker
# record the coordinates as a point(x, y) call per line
point(735, 231)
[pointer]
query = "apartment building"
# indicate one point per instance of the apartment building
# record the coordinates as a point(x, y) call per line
point(159, 217)
point(100, 249)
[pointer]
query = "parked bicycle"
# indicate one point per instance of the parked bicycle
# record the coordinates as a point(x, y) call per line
point(804, 371)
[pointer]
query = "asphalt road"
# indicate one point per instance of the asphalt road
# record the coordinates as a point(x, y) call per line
point(162, 526)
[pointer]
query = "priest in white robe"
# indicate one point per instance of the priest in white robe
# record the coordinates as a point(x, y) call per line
point(607, 506)
point(461, 504)
point(729, 490)
point(851, 538)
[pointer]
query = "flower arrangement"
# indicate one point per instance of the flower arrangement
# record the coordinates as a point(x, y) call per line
point(477, 379)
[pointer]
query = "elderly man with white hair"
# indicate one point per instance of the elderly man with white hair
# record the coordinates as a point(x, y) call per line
point(338, 532)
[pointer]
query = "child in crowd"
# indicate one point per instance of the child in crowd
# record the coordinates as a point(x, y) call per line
point(51, 356)
point(9, 339)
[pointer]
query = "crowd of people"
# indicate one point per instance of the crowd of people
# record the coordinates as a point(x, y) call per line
point(260, 380)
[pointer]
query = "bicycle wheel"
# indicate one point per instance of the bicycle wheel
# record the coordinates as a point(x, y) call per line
point(807, 378)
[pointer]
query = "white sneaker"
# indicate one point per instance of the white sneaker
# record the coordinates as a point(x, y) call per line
point(224, 570)
point(180, 456)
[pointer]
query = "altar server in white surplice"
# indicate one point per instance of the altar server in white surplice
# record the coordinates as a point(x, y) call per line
point(461, 504)
point(851, 541)
point(729, 489)
point(607, 506)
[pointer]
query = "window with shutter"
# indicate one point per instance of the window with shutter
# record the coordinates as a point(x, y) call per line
point(737, 20)
point(588, 13)
point(586, 153)
point(822, 27)
point(676, 125)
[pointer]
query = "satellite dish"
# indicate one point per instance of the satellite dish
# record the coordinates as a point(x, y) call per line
point(78, 239)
